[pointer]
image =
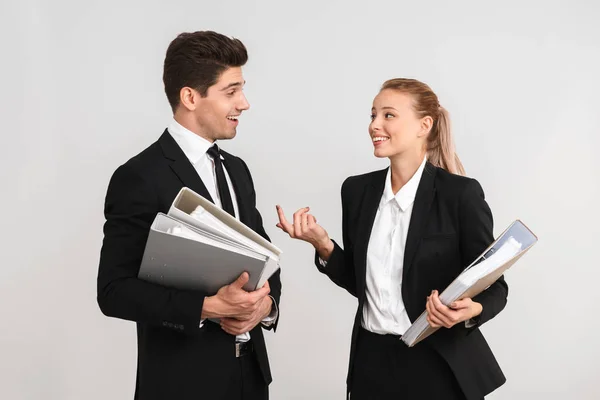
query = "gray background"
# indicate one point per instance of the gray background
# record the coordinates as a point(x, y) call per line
point(82, 92)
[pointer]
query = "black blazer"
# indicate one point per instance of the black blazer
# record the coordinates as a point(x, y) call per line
point(176, 359)
point(451, 225)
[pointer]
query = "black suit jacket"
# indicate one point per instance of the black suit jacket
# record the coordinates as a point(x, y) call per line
point(451, 224)
point(176, 358)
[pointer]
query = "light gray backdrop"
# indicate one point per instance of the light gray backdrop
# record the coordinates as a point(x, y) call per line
point(82, 92)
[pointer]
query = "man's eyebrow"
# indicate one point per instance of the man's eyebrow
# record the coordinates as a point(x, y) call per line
point(234, 84)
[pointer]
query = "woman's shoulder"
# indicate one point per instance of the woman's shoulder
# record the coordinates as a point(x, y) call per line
point(358, 182)
point(456, 186)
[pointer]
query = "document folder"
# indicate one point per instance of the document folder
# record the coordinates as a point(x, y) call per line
point(509, 247)
point(198, 246)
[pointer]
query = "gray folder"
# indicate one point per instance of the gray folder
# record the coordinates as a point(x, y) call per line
point(199, 260)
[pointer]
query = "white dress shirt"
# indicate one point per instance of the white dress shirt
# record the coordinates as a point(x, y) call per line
point(195, 147)
point(384, 310)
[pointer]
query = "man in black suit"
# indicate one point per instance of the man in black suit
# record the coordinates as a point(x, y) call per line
point(182, 355)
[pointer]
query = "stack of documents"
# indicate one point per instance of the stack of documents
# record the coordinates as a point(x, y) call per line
point(198, 246)
point(515, 241)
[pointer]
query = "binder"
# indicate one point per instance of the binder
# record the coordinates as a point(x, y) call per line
point(198, 246)
point(503, 253)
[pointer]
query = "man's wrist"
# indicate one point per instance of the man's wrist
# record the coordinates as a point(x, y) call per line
point(268, 307)
point(211, 307)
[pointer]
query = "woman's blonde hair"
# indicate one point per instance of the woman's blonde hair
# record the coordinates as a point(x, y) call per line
point(440, 145)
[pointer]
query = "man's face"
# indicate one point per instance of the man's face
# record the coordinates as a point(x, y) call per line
point(217, 113)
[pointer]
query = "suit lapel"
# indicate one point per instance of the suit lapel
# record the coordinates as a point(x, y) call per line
point(181, 166)
point(368, 211)
point(420, 215)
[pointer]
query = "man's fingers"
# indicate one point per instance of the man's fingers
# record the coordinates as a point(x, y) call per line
point(232, 323)
point(259, 294)
point(234, 326)
point(241, 280)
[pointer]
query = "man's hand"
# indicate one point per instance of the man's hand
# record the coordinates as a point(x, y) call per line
point(232, 301)
point(235, 326)
point(439, 315)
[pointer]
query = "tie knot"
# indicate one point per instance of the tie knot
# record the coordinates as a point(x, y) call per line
point(214, 152)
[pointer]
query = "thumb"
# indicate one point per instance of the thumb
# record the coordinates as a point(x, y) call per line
point(459, 304)
point(241, 281)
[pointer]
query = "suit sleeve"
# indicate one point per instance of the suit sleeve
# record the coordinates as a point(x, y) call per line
point(275, 280)
point(340, 266)
point(130, 207)
point(476, 234)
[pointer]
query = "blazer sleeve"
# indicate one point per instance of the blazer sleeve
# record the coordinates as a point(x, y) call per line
point(476, 234)
point(275, 280)
point(130, 207)
point(340, 266)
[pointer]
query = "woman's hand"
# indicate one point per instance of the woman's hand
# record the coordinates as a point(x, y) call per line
point(305, 228)
point(439, 315)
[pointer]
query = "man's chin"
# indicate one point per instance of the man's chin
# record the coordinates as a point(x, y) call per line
point(227, 136)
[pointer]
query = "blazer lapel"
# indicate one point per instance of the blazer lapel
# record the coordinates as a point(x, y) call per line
point(368, 211)
point(181, 166)
point(420, 215)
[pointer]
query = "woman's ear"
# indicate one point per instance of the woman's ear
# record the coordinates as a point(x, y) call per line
point(426, 125)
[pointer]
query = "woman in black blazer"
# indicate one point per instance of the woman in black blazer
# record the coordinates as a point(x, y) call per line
point(408, 231)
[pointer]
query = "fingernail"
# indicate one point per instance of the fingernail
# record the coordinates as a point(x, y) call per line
point(453, 305)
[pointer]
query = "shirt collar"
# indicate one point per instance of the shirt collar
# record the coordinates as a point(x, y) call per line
point(406, 195)
point(194, 146)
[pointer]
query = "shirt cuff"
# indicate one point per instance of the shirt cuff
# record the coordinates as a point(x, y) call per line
point(470, 323)
point(271, 318)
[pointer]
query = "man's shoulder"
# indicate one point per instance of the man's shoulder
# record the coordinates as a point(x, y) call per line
point(146, 162)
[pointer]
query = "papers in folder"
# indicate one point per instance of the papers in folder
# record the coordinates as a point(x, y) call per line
point(198, 246)
point(515, 241)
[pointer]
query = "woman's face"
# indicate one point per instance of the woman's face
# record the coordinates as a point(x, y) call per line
point(395, 128)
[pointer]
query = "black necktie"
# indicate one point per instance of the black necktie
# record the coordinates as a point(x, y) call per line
point(222, 185)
